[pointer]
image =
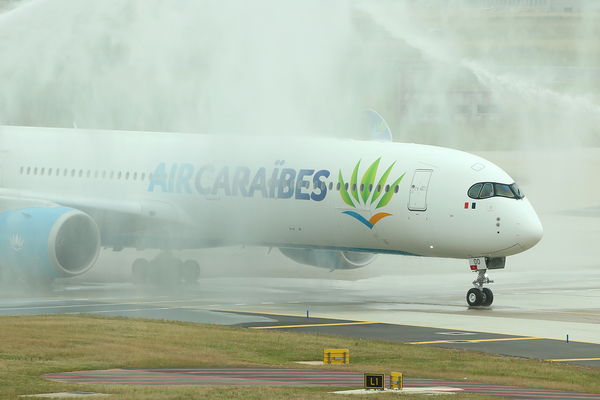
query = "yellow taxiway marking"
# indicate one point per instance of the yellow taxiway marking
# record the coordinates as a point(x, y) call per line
point(576, 359)
point(304, 326)
point(476, 340)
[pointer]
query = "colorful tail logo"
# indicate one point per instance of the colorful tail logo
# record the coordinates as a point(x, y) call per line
point(360, 194)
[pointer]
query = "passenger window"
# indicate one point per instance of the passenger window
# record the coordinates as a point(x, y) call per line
point(338, 186)
point(474, 191)
point(503, 190)
point(487, 191)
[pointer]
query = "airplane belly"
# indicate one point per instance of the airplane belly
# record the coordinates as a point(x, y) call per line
point(418, 234)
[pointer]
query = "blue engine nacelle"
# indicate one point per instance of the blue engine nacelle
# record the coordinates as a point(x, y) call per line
point(48, 242)
point(329, 259)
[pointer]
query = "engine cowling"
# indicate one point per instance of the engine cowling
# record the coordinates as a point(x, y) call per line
point(48, 242)
point(329, 259)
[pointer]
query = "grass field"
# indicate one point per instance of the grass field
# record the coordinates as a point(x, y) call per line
point(36, 345)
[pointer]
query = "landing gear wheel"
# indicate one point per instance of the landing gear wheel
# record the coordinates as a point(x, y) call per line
point(139, 269)
point(169, 274)
point(190, 271)
point(475, 297)
point(488, 297)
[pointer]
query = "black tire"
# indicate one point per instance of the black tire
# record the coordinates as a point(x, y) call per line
point(474, 297)
point(190, 271)
point(139, 271)
point(152, 273)
point(488, 297)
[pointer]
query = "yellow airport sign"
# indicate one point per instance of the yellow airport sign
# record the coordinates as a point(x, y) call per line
point(375, 381)
point(336, 356)
point(396, 380)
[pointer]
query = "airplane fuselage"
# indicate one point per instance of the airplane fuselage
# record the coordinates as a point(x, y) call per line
point(163, 190)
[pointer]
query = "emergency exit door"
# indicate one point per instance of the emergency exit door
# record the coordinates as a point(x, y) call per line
point(417, 200)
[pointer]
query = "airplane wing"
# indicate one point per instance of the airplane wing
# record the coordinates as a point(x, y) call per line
point(144, 210)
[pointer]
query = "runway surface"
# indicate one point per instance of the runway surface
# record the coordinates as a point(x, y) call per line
point(190, 304)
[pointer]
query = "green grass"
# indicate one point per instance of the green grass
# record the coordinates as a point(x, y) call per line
point(36, 345)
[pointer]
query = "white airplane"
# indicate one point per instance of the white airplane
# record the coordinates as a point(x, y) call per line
point(65, 193)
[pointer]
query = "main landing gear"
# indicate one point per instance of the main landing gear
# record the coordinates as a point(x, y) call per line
point(479, 295)
point(165, 269)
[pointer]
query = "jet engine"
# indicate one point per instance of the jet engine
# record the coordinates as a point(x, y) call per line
point(329, 259)
point(42, 243)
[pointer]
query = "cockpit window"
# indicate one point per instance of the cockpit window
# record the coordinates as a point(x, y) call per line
point(503, 190)
point(484, 190)
point(517, 191)
point(487, 191)
point(474, 191)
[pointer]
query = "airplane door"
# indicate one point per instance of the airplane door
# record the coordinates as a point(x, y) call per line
point(417, 199)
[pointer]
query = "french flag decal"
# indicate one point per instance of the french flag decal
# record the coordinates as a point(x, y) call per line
point(467, 206)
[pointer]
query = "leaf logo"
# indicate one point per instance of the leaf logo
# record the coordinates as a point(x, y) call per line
point(380, 128)
point(16, 242)
point(367, 193)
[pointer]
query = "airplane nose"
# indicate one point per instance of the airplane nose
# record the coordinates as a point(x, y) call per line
point(530, 232)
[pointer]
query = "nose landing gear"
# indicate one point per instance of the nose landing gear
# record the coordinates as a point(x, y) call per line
point(479, 295)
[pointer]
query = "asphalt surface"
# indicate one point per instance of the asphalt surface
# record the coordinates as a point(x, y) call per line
point(192, 310)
